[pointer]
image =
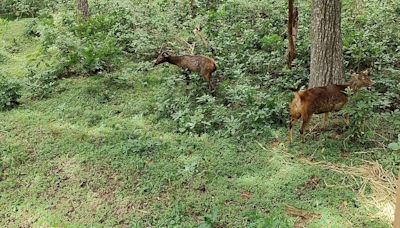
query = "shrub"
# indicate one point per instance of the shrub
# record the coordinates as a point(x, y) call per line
point(395, 145)
point(10, 92)
point(83, 47)
point(32, 28)
point(25, 8)
point(239, 110)
point(3, 58)
point(42, 84)
point(361, 108)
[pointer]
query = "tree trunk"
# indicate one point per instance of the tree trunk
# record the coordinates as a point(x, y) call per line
point(292, 32)
point(82, 7)
point(326, 43)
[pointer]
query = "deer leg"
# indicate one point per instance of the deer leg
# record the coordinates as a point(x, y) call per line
point(187, 80)
point(306, 120)
point(213, 82)
point(347, 119)
point(210, 87)
point(207, 77)
point(326, 115)
point(293, 120)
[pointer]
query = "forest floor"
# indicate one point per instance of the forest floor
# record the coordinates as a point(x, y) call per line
point(95, 154)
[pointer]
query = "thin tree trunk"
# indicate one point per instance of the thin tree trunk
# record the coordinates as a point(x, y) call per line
point(292, 32)
point(326, 46)
point(82, 7)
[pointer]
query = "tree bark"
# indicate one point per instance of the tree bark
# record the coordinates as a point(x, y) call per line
point(82, 7)
point(326, 43)
point(292, 32)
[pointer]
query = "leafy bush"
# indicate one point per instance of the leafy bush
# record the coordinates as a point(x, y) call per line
point(83, 47)
point(26, 8)
point(370, 34)
point(360, 109)
point(238, 110)
point(32, 28)
point(10, 92)
point(388, 86)
point(3, 58)
point(195, 114)
point(211, 219)
point(395, 145)
point(41, 84)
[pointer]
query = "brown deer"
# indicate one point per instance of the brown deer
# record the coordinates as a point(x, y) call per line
point(193, 63)
point(323, 99)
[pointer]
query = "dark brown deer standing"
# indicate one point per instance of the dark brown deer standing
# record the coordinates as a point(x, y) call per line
point(323, 99)
point(194, 63)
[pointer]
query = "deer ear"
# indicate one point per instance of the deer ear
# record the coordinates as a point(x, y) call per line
point(354, 76)
point(165, 54)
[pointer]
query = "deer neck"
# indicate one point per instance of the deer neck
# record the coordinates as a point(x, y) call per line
point(353, 85)
point(176, 60)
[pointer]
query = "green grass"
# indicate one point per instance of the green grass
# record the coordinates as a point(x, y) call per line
point(95, 154)
point(16, 49)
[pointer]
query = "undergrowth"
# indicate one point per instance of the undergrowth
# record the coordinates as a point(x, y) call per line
point(93, 134)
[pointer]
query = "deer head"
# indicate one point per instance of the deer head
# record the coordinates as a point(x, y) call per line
point(163, 57)
point(361, 80)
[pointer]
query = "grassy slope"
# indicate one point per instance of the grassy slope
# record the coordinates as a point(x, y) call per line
point(95, 154)
point(15, 48)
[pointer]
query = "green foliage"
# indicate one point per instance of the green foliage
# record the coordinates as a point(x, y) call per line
point(26, 8)
point(10, 92)
point(84, 47)
point(210, 220)
point(31, 28)
point(238, 111)
point(42, 84)
point(273, 220)
point(12, 47)
point(192, 113)
point(370, 34)
point(388, 87)
point(361, 107)
point(3, 58)
point(395, 145)
point(242, 107)
point(137, 31)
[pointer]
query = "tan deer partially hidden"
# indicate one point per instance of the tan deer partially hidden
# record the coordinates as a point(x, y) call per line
point(323, 99)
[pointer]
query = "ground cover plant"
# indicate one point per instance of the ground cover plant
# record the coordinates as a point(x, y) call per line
point(91, 134)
